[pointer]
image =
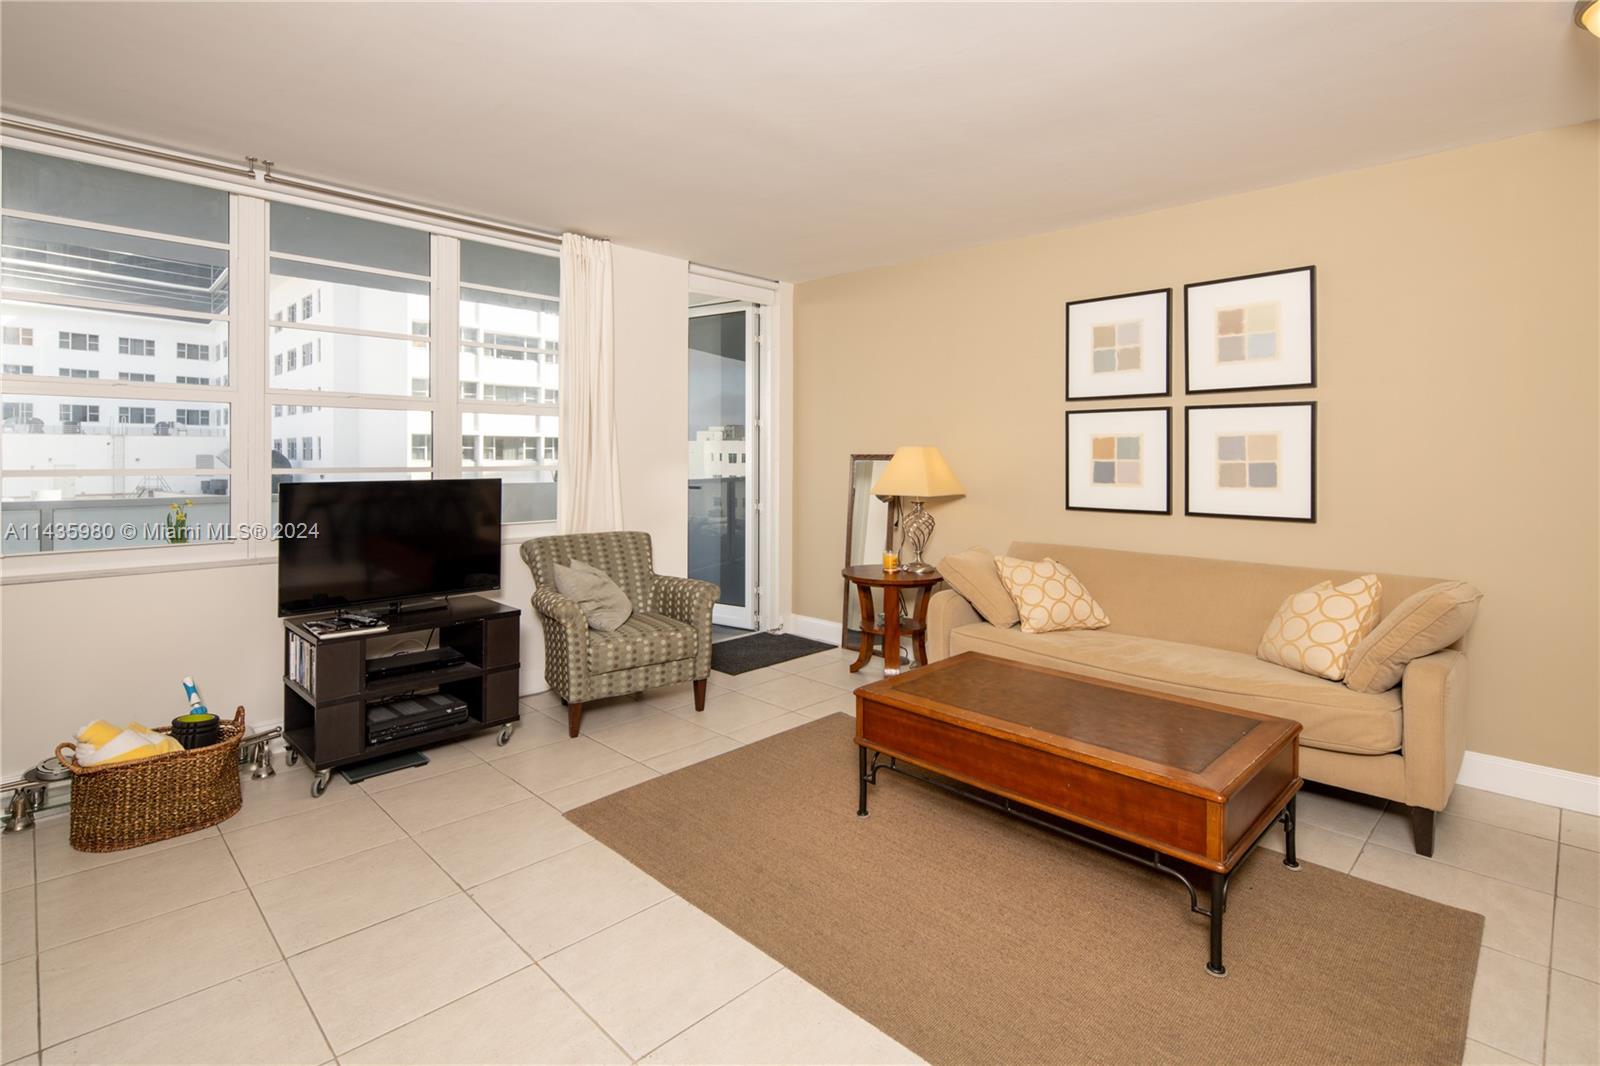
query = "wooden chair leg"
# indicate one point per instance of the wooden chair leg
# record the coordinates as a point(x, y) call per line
point(1422, 831)
point(639, 695)
point(574, 716)
point(700, 694)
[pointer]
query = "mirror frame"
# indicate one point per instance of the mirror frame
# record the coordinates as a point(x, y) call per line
point(849, 538)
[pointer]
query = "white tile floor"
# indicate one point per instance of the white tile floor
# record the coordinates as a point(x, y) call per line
point(450, 914)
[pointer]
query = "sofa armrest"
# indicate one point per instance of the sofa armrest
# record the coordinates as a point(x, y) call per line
point(947, 609)
point(1433, 726)
point(551, 604)
point(690, 601)
point(566, 644)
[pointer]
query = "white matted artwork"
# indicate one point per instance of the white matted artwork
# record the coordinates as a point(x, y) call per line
point(1252, 461)
point(1254, 332)
point(1120, 346)
point(1120, 460)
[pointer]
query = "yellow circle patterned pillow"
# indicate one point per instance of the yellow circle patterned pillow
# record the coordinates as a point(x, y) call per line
point(1315, 630)
point(1048, 597)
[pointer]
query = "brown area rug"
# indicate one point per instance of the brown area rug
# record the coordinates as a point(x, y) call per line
point(973, 937)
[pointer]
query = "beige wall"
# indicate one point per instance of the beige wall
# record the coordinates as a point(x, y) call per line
point(116, 647)
point(1457, 402)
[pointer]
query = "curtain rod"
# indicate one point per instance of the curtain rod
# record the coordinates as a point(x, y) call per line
point(267, 175)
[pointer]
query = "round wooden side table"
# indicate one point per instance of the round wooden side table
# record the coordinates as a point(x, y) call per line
point(867, 578)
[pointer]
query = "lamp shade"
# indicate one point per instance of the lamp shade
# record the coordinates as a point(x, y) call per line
point(920, 472)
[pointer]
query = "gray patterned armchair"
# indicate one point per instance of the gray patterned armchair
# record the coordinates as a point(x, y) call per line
point(665, 642)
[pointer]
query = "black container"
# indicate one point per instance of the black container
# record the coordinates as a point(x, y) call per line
point(197, 734)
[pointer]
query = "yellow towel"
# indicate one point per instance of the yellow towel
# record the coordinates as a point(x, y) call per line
point(101, 742)
point(97, 732)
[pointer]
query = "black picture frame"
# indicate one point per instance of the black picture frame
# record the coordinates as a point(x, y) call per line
point(1188, 461)
point(1066, 443)
point(1188, 328)
point(1166, 367)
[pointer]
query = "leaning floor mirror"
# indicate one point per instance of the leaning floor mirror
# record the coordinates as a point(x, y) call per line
point(868, 533)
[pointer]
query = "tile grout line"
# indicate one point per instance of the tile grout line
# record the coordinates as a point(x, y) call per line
point(281, 956)
point(718, 1010)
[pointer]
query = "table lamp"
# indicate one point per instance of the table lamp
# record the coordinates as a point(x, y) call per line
point(917, 473)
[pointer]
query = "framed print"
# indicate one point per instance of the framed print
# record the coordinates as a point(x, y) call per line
point(1252, 461)
point(1254, 332)
point(1120, 346)
point(1120, 460)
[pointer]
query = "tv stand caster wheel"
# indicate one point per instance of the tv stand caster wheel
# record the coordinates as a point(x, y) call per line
point(319, 784)
point(505, 735)
point(290, 756)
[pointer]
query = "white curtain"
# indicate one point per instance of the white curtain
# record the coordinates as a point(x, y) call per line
point(589, 487)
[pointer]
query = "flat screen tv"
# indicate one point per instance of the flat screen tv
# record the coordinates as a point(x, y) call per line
point(364, 543)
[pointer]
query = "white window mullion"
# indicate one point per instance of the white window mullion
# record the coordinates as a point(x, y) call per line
point(252, 486)
point(445, 351)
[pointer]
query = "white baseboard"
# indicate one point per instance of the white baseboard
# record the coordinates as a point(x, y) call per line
point(814, 628)
point(1530, 781)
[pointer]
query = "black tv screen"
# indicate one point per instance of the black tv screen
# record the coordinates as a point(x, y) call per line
point(351, 543)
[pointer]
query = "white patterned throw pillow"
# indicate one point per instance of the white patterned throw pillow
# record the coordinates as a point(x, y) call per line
point(1315, 630)
point(1048, 597)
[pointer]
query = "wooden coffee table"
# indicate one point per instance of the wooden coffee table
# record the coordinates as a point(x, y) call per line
point(1178, 781)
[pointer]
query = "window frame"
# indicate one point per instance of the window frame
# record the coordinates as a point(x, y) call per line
point(247, 398)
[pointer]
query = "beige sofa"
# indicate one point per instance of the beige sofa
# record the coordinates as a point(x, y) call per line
point(1190, 626)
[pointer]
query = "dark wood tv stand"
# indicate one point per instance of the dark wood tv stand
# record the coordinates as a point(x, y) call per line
point(325, 721)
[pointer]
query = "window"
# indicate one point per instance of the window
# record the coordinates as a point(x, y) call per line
point(277, 447)
point(305, 448)
point(76, 372)
point(421, 446)
point(305, 307)
point(194, 351)
point(509, 371)
point(188, 379)
point(277, 364)
point(136, 416)
point(305, 354)
point(293, 447)
point(78, 412)
point(469, 449)
point(291, 358)
point(135, 346)
point(289, 315)
point(80, 342)
point(17, 411)
point(193, 416)
point(18, 368)
point(134, 375)
point(19, 335)
point(419, 386)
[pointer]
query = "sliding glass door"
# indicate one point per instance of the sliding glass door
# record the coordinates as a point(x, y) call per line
point(723, 394)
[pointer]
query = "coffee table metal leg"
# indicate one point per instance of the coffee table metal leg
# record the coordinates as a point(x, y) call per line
point(1219, 903)
point(1288, 837)
point(861, 808)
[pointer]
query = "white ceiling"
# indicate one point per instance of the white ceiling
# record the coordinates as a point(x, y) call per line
point(795, 141)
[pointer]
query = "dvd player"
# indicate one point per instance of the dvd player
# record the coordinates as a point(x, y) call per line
point(412, 662)
point(407, 717)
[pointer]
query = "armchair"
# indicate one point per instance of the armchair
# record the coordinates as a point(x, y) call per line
point(667, 640)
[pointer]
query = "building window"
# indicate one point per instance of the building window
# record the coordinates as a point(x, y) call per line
point(135, 346)
point(277, 447)
point(80, 412)
point(19, 335)
point(136, 416)
point(305, 354)
point(469, 448)
point(19, 368)
point(511, 448)
point(277, 364)
point(421, 447)
point(293, 448)
point(193, 416)
point(469, 390)
point(134, 375)
point(419, 329)
point(289, 315)
point(305, 307)
point(80, 342)
point(76, 372)
point(419, 386)
point(290, 358)
point(17, 412)
point(305, 444)
point(190, 379)
point(194, 351)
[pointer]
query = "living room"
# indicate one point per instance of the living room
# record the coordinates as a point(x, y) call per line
point(1214, 445)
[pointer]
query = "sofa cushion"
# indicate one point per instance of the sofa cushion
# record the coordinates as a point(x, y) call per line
point(643, 640)
point(1315, 630)
point(973, 574)
point(1048, 597)
point(1423, 623)
point(1332, 716)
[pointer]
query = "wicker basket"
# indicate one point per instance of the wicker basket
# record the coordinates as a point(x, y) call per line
point(124, 805)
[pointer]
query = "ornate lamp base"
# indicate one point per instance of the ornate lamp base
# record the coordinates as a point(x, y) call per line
point(917, 529)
